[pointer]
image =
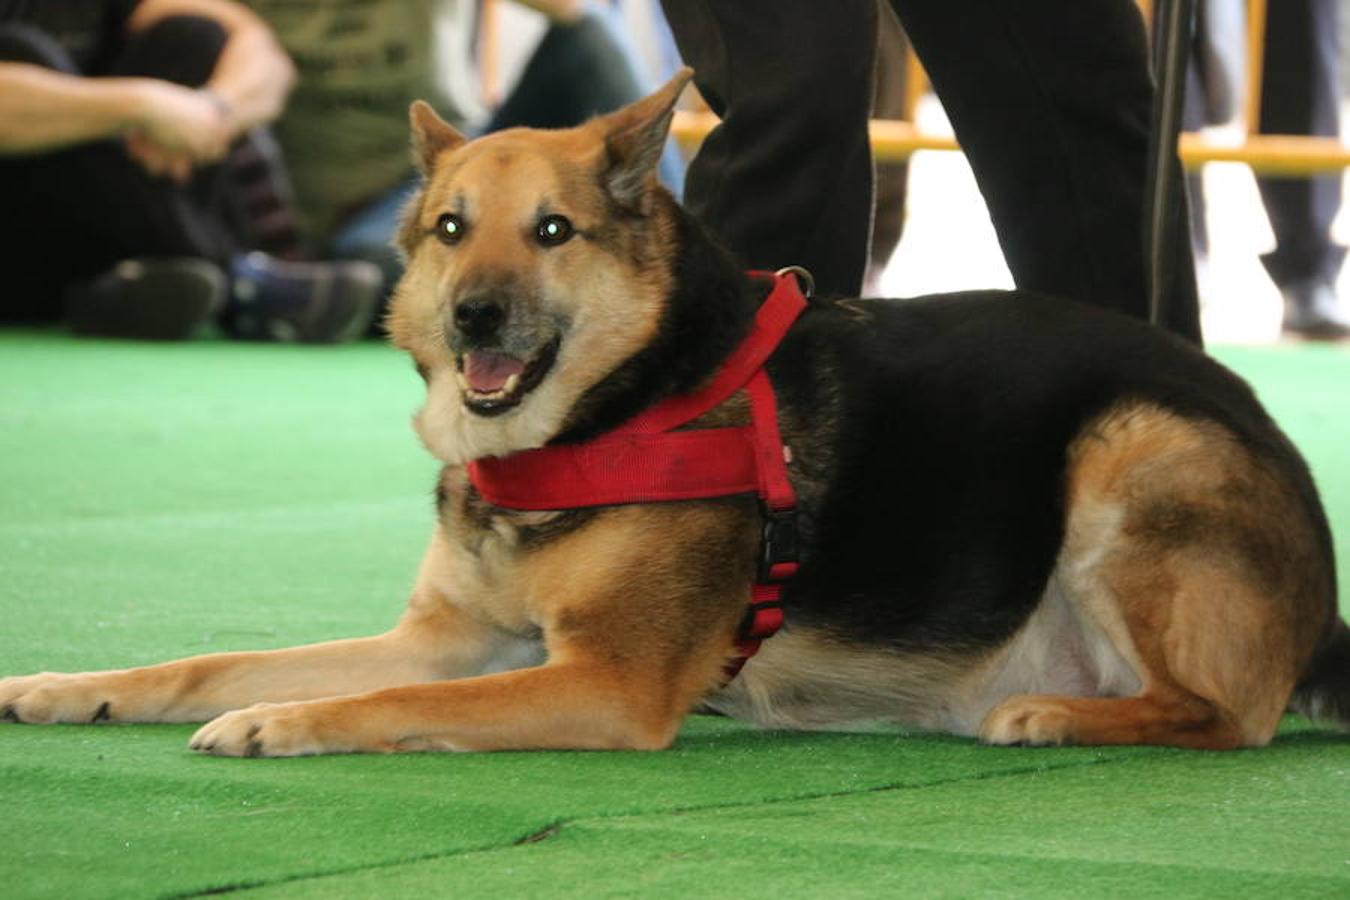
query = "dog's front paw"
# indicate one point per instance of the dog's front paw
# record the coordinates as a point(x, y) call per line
point(52, 697)
point(1028, 719)
point(273, 729)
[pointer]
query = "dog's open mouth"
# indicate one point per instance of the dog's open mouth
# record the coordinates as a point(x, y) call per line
point(493, 382)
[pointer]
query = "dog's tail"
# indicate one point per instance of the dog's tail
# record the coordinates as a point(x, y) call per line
point(1324, 691)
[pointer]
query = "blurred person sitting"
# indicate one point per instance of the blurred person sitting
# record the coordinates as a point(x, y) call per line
point(345, 131)
point(1300, 94)
point(136, 181)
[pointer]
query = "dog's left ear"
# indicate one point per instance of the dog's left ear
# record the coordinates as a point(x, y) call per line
point(431, 135)
point(634, 138)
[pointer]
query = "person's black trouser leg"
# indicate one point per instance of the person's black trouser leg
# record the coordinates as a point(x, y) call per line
point(1300, 94)
point(1051, 103)
point(74, 212)
point(786, 179)
point(891, 180)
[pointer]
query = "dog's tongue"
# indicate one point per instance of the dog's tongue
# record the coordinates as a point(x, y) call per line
point(488, 371)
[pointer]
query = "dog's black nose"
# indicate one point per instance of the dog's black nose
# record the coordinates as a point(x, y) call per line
point(479, 317)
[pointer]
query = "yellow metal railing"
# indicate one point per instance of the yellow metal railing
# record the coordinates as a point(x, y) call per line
point(1269, 154)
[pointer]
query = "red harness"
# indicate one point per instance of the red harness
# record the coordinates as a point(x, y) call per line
point(645, 460)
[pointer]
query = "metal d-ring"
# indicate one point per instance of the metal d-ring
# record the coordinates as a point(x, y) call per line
point(805, 280)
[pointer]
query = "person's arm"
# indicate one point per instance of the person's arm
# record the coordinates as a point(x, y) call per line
point(253, 75)
point(45, 110)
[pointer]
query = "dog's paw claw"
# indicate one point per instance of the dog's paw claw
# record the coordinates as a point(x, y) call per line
point(267, 729)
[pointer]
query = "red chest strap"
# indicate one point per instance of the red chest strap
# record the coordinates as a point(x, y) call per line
point(644, 460)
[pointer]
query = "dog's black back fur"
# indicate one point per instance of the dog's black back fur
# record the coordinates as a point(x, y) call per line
point(938, 428)
point(945, 512)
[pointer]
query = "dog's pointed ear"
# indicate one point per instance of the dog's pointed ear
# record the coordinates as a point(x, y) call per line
point(634, 138)
point(431, 135)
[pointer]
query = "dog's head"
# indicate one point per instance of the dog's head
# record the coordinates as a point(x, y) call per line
point(538, 262)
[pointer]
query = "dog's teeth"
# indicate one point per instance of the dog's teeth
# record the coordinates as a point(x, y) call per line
point(511, 384)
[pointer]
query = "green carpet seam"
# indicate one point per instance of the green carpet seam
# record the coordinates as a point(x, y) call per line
point(1134, 863)
point(555, 827)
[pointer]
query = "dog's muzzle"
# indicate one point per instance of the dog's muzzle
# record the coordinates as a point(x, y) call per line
point(478, 319)
point(498, 358)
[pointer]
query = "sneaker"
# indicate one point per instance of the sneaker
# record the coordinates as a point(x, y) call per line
point(313, 303)
point(1312, 310)
point(147, 299)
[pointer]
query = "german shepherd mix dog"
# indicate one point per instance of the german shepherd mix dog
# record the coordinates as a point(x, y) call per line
point(1018, 517)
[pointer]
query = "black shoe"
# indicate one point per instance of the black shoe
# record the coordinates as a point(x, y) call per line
point(1312, 310)
point(147, 299)
point(314, 303)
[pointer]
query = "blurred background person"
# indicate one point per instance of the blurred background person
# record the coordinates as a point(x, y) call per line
point(1300, 95)
point(136, 183)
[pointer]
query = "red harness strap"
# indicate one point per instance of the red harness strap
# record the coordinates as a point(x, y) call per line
point(644, 460)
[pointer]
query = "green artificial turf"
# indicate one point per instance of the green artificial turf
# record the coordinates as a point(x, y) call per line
point(159, 501)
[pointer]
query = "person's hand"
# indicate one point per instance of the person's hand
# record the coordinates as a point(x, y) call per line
point(179, 130)
point(175, 165)
point(560, 12)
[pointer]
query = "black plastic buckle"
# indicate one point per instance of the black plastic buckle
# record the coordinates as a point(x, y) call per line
point(761, 620)
point(778, 541)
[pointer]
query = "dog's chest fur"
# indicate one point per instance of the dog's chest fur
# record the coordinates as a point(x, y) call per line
point(486, 545)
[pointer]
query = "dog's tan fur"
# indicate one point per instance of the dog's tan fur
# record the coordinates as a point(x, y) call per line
point(604, 629)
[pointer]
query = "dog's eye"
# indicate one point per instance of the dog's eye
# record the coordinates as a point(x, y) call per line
point(450, 228)
point(553, 230)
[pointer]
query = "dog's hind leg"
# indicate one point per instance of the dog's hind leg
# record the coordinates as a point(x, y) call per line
point(1213, 665)
point(1177, 721)
point(1201, 567)
point(433, 640)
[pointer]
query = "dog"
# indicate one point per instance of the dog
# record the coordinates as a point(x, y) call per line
point(1015, 517)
